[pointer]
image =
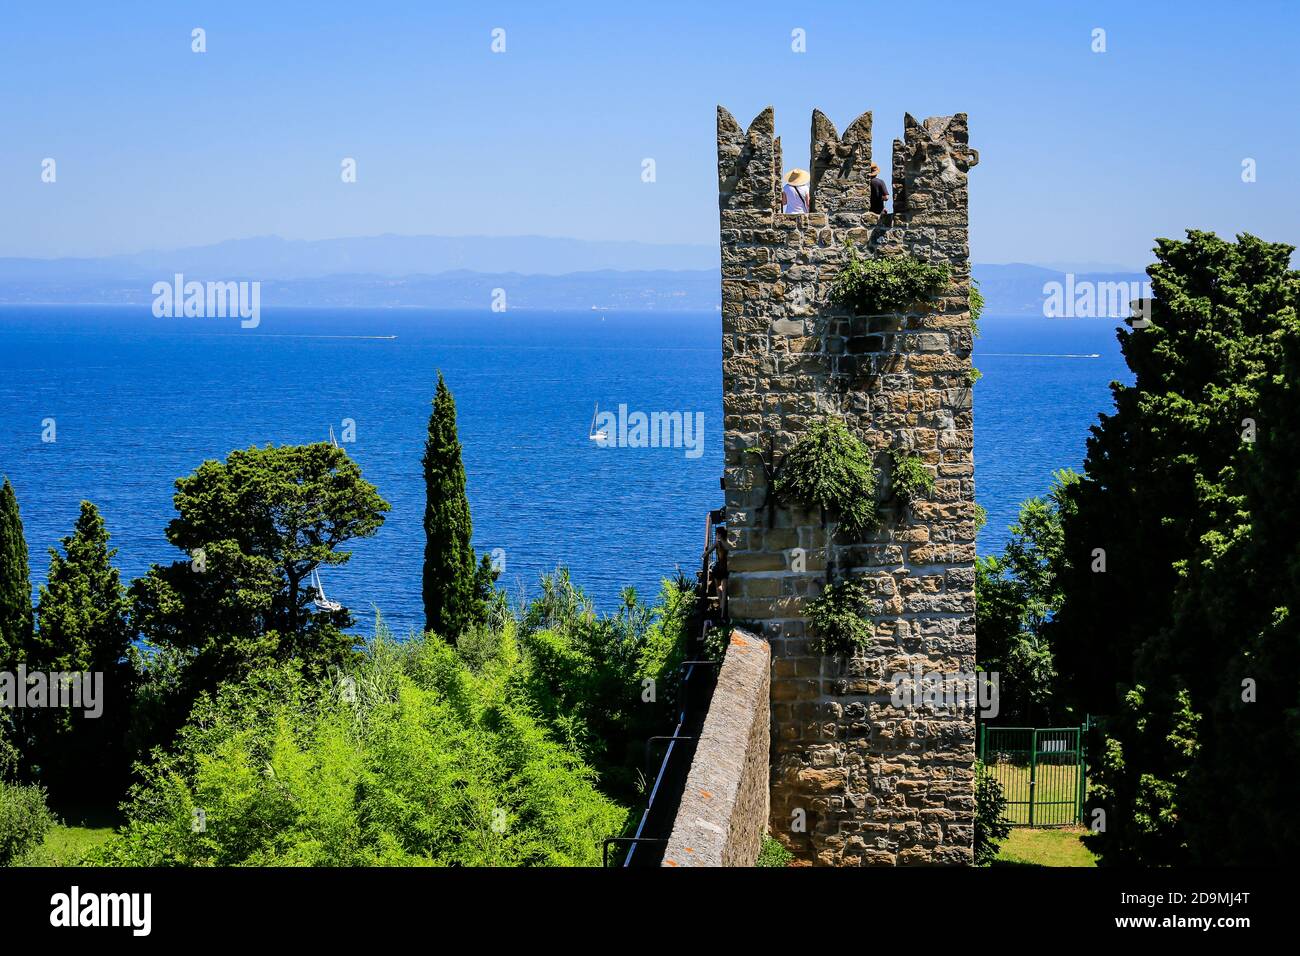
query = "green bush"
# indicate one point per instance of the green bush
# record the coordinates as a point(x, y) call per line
point(991, 827)
point(408, 758)
point(24, 821)
point(888, 284)
point(773, 853)
point(512, 748)
point(605, 684)
point(831, 468)
point(976, 303)
point(8, 752)
point(911, 480)
point(1017, 593)
point(838, 618)
point(481, 646)
point(716, 641)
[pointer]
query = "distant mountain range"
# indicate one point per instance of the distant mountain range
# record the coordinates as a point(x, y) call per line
point(536, 272)
point(1017, 288)
point(270, 257)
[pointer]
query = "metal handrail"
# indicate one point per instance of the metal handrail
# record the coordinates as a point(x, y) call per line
point(683, 718)
point(709, 583)
point(660, 738)
point(604, 850)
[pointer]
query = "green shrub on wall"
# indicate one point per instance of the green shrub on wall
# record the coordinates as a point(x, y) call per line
point(911, 480)
point(887, 284)
point(838, 618)
point(976, 300)
point(831, 468)
point(773, 853)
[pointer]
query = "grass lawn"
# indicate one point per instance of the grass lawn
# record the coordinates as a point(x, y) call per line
point(1056, 789)
point(82, 829)
point(1058, 846)
point(64, 845)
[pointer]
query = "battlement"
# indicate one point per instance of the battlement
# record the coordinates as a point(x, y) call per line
point(856, 778)
point(930, 164)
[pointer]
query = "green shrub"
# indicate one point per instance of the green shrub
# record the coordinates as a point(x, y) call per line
point(408, 758)
point(8, 752)
point(911, 480)
point(991, 827)
point(512, 748)
point(773, 853)
point(888, 284)
point(716, 641)
point(480, 647)
point(605, 684)
point(24, 821)
point(831, 468)
point(838, 618)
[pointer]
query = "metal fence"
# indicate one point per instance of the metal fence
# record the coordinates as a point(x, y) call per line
point(1043, 772)
point(645, 847)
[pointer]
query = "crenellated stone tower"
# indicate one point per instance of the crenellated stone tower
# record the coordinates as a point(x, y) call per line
point(871, 783)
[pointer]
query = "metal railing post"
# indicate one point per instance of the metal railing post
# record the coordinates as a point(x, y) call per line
point(1033, 772)
point(1083, 771)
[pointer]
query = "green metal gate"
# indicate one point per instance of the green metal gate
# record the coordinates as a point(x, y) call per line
point(1042, 770)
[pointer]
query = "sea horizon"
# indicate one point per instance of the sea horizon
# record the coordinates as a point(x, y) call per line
point(139, 401)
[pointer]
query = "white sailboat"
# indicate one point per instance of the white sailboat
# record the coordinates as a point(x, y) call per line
point(592, 434)
point(321, 602)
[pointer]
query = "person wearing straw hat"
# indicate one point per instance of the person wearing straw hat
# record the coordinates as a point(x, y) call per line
point(879, 191)
point(795, 191)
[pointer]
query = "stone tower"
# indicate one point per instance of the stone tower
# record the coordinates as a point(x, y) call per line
point(855, 780)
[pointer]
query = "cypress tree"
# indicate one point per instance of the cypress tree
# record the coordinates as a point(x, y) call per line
point(81, 618)
point(15, 582)
point(450, 572)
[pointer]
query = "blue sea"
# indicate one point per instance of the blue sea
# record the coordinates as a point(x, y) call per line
point(138, 401)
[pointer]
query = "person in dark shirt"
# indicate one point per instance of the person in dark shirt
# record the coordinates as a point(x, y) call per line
point(879, 191)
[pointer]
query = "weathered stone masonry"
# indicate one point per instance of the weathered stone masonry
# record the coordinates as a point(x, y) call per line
point(873, 784)
point(724, 808)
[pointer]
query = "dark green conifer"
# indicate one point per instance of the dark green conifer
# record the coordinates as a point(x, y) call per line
point(15, 581)
point(81, 628)
point(451, 579)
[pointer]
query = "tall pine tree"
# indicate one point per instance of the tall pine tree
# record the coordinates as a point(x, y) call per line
point(254, 529)
point(15, 582)
point(451, 591)
point(81, 617)
point(82, 609)
point(1181, 578)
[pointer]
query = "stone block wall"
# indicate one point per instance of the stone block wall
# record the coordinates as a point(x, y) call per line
point(724, 809)
point(855, 780)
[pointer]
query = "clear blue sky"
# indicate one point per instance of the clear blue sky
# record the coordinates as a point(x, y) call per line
point(1084, 156)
